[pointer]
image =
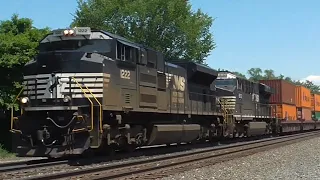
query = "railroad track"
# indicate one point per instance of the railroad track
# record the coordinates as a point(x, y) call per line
point(32, 164)
point(15, 166)
point(170, 164)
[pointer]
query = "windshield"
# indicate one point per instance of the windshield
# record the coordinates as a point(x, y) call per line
point(226, 82)
point(90, 45)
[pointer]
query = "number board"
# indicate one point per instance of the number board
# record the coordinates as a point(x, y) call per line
point(125, 74)
point(58, 32)
point(226, 75)
point(82, 30)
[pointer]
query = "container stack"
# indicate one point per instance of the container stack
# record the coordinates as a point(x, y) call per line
point(315, 106)
point(303, 103)
point(284, 99)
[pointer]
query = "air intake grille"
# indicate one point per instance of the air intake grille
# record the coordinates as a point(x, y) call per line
point(127, 98)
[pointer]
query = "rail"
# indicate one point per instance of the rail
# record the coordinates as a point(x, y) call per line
point(100, 106)
point(86, 95)
point(12, 116)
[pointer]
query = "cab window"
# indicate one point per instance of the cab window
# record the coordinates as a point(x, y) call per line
point(125, 53)
point(226, 82)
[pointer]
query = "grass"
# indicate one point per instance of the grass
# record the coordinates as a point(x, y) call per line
point(4, 153)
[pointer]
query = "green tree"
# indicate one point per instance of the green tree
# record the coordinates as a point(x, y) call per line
point(255, 74)
point(281, 76)
point(269, 74)
point(18, 42)
point(288, 79)
point(240, 75)
point(314, 88)
point(165, 25)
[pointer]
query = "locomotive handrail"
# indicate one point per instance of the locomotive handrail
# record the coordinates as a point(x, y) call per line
point(12, 117)
point(100, 119)
point(225, 111)
point(90, 103)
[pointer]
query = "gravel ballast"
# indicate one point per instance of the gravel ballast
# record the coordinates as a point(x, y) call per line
point(296, 161)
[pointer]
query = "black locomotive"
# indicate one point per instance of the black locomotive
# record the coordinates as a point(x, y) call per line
point(93, 90)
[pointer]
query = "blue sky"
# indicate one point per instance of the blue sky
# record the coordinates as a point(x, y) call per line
point(280, 35)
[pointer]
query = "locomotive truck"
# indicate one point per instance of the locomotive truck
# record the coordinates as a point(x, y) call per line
point(93, 90)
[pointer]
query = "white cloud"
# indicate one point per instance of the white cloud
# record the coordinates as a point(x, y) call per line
point(313, 78)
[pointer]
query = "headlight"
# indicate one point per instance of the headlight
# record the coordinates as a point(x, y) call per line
point(66, 99)
point(24, 100)
point(71, 31)
point(65, 32)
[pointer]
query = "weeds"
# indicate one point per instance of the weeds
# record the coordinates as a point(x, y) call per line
point(4, 153)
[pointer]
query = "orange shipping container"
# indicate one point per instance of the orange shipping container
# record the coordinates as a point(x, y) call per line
point(303, 97)
point(315, 103)
point(304, 114)
point(285, 111)
point(312, 102)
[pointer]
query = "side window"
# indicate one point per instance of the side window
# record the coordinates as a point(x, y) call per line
point(120, 54)
point(128, 53)
point(143, 57)
point(124, 52)
point(239, 84)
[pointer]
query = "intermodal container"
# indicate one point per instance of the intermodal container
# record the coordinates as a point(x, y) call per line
point(312, 102)
point(304, 114)
point(317, 116)
point(284, 91)
point(303, 97)
point(315, 102)
point(285, 111)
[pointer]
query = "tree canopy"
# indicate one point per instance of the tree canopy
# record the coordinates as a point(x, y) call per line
point(167, 26)
point(18, 42)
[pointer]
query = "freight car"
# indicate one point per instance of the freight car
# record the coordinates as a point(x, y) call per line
point(93, 90)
